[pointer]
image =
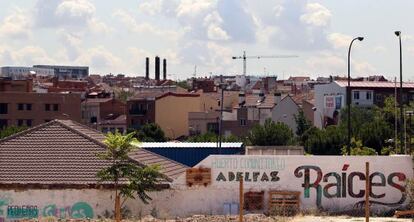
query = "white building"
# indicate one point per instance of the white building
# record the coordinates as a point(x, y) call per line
point(19, 72)
point(331, 98)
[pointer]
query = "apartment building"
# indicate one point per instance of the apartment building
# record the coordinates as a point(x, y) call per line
point(30, 109)
point(104, 114)
point(169, 110)
point(330, 98)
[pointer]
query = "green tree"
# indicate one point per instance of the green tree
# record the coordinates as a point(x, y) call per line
point(151, 132)
point(8, 131)
point(271, 134)
point(212, 137)
point(183, 84)
point(357, 149)
point(123, 95)
point(327, 141)
point(302, 123)
point(368, 125)
point(128, 178)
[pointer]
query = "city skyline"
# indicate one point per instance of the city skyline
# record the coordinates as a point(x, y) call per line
point(115, 37)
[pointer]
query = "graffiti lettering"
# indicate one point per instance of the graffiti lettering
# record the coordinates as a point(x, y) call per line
point(19, 212)
point(78, 211)
point(249, 176)
point(339, 185)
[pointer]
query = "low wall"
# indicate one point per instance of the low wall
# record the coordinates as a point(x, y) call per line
point(332, 182)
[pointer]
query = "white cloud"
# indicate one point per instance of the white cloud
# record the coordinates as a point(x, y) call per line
point(316, 14)
point(26, 56)
point(16, 26)
point(326, 64)
point(144, 28)
point(363, 68)
point(300, 25)
point(379, 49)
point(101, 60)
point(339, 40)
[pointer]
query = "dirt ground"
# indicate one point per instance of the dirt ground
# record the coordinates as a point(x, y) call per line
point(263, 218)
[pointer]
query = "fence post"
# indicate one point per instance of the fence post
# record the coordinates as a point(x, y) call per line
point(241, 204)
point(367, 191)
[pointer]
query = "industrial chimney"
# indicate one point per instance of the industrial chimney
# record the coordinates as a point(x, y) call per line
point(164, 68)
point(157, 68)
point(147, 68)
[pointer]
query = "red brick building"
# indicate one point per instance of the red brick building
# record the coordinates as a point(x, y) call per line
point(30, 109)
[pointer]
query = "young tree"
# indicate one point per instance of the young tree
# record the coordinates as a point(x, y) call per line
point(271, 134)
point(128, 178)
point(8, 131)
point(302, 123)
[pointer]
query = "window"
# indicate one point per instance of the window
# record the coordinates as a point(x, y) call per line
point(47, 120)
point(29, 122)
point(21, 106)
point(20, 122)
point(378, 98)
point(243, 122)
point(47, 107)
point(3, 123)
point(356, 95)
point(3, 108)
point(369, 95)
point(121, 130)
point(94, 119)
point(212, 127)
point(55, 107)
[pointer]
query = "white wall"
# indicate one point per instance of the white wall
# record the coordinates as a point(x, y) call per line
point(288, 173)
point(330, 89)
point(388, 174)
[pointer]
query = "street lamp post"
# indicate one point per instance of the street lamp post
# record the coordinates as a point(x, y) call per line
point(398, 34)
point(349, 93)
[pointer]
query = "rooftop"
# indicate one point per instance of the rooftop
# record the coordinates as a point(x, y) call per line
point(63, 152)
point(374, 84)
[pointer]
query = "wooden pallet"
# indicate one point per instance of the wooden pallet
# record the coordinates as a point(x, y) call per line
point(198, 176)
point(253, 200)
point(400, 213)
point(284, 200)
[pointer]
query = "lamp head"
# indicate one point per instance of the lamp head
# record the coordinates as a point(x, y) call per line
point(397, 33)
point(360, 38)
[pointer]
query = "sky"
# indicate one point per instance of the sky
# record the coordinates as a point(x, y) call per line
point(199, 37)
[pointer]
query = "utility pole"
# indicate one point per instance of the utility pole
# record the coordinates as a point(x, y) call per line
point(222, 86)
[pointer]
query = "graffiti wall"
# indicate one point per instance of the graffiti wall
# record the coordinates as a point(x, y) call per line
point(26, 205)
point(331, 182)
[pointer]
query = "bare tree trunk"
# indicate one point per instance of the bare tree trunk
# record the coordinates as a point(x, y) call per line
point(118, 208)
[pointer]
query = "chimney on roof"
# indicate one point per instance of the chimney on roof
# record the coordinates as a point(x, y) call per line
point(157, 68)
point(278, 97)
point(147, 68)
point(242, 98)
point(164, 69)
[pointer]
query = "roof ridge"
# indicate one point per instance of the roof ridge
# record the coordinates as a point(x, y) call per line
point(26, 131)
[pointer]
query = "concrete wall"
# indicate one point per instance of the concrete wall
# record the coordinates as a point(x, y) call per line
point(336, 183)
point(171, 114)
point(331, 89)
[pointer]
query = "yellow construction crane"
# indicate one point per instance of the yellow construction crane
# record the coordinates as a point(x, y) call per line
point(244, 57)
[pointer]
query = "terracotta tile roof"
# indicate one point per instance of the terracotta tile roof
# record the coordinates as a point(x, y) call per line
point(255, 100)
point(374, 84)
point(63, 152)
